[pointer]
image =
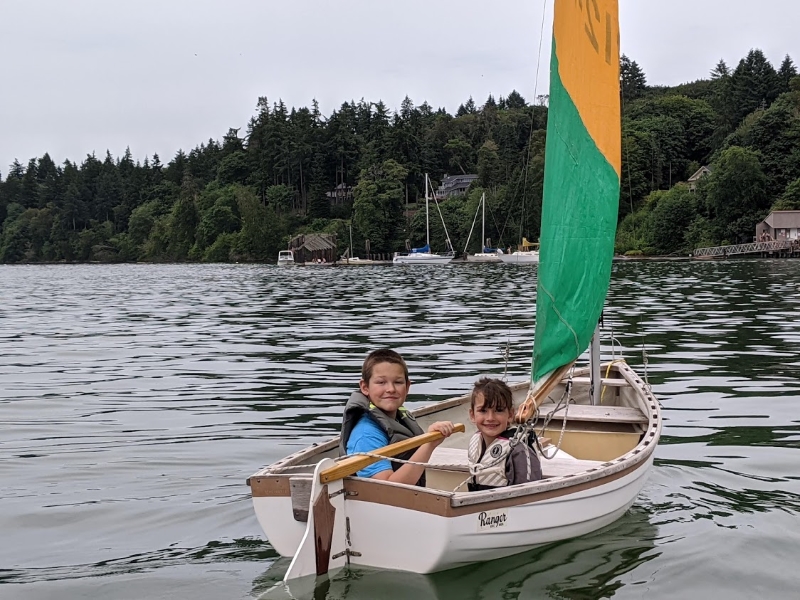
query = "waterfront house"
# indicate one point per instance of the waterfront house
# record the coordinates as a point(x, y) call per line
point(341, 194)
point(698, 175)
point(454, 185)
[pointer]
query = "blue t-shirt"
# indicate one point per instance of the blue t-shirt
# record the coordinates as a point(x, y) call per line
point(366, 437)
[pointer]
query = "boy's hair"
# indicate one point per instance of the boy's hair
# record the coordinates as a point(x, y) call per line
point(382, 355)
point(496, 394)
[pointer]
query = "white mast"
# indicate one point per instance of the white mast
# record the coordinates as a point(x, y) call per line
point(351, 242)
point(594, 366)
point(483, 222)
point(427, 218)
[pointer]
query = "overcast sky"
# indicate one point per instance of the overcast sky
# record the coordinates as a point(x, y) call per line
point(82, 76)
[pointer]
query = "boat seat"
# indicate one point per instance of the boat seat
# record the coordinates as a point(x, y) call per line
point(560, 466)
point(598, 414)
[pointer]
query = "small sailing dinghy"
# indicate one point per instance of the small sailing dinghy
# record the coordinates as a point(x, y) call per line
point(603, 420)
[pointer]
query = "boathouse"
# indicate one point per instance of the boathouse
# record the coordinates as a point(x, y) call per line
point(313, 247)
point(779, 225)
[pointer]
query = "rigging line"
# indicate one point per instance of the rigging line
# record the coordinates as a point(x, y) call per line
point(533, 118)
point(471, 229)
point(526, 162)
point(627, 161)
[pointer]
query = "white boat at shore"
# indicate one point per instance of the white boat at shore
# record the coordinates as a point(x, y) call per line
point(424, 256)
point(487, 255)
point(285, 258)
point(357, 262)
point(521, 257)
point(526, 253)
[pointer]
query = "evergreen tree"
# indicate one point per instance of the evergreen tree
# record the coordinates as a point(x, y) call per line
point(632, 79)
point(319, 207)
point(378, 206)
point(515, 101)
point(754, 84)
point(786, 72)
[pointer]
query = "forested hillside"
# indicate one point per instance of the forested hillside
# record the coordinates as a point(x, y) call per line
point(243, 197)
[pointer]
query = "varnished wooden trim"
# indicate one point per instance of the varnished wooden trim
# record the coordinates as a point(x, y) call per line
point(440, 503)
point(270, 486)
point(324, 517)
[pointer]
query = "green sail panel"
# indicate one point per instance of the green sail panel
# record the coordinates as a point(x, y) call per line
point(579, 220)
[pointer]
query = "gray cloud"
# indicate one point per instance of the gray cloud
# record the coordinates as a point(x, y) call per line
point(90, 75)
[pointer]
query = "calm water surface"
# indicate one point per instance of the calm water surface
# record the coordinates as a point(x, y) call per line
point(136, 399)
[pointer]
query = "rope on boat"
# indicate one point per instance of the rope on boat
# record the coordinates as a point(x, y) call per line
point(608, 370)
point(566, 399)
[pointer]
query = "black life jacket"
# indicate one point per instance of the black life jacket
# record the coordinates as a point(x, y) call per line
point(403, 427)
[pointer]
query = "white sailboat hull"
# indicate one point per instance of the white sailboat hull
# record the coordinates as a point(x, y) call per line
point(484, 257)
point(422, 259)
point(520, 257)
point(602, 465)
point(426, 543)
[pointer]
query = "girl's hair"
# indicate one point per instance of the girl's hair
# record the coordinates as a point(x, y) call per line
point(383, 355)
point(496, 394)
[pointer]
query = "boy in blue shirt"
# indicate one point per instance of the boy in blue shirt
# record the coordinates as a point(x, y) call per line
point(375, 417)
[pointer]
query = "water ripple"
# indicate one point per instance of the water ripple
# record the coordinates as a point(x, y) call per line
point(137, 398)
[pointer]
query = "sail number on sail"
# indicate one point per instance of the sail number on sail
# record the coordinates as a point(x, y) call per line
point(593, 18)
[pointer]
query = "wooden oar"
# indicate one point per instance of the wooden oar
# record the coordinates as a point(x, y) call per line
point(527, 408)
point(354, 464)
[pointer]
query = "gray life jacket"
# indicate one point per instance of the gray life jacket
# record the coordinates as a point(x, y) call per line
point(490, 465)
point(403, 427)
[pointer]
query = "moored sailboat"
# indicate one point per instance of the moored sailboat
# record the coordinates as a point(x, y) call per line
point(605, 429)
point(487, 255)
point(527, 253)
point(424, 256)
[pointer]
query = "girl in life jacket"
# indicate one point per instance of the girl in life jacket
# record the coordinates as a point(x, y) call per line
point(495, 461)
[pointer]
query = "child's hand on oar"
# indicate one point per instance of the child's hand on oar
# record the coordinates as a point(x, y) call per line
point(446, 428)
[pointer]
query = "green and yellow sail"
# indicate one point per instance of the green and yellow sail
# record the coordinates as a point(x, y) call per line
point(581, 182)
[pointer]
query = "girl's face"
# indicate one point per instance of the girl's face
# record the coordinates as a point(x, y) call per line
point(387, 387)
point(491, 422)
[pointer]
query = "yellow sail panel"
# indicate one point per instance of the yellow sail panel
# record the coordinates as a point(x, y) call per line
point(586, 36)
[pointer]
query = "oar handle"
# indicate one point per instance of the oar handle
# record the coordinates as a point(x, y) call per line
point(354, 464)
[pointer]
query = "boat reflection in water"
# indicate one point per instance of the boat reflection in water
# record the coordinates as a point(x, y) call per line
point(592, 566)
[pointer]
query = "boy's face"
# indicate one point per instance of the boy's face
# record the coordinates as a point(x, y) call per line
point(387, 388)
point(491, 422)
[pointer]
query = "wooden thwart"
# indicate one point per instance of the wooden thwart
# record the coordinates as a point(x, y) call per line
point(598, 414)
point(456, 459)
point(606, 381)
point(354, 464)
